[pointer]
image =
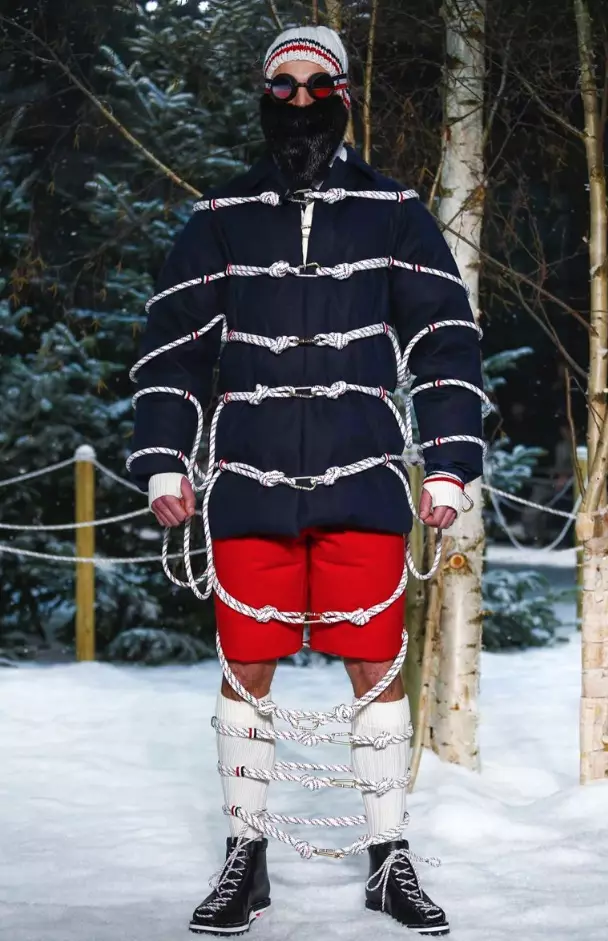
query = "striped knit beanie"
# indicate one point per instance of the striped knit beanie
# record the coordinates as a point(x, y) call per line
point(314, 44)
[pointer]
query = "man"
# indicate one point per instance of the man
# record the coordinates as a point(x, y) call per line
point(290, 529)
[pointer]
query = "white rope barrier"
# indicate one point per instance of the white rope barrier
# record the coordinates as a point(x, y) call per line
point(511, 497)
point(105, 521)
point(37, 473)
point(99, 560)
point(504, 525)
point(116, 477)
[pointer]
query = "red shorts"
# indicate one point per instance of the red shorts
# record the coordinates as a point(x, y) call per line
point(319, 570)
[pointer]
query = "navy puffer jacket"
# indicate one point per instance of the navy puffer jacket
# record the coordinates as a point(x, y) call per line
point(306, 436)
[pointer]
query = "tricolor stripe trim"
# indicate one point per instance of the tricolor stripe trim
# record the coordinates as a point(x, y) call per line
point(444, 478)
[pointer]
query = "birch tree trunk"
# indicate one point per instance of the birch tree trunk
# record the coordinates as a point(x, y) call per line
point(592, 521)
point(455, 719)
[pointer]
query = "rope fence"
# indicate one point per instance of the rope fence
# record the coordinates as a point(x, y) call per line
point(86, 560)
point(497, 497)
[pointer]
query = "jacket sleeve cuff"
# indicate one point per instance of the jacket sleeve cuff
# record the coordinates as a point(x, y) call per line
point(445, 490)
point(164, 485)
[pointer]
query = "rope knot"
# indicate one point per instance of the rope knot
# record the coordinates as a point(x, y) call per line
point(344, 713)
point(260, 393)
point(310, 782)
point(331, 475)
point(304, 849)
point(308, 738)
point(278, 269)
point(342, 271)
point(272, 479)
point(280, 344)
point(334, 195)
point(360, 617)
point(266, 614)
point(266, 707)
point(336, 389)
point(382, 741)
point(270, 198)
point(338, 340)
point(384, 786)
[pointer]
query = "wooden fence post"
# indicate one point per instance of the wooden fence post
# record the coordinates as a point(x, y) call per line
point(581, 460)
point(85, 547)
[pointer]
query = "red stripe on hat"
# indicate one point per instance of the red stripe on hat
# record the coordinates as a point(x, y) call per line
point(304, 46)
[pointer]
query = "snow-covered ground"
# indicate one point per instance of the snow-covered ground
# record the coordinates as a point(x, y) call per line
point(109, 821)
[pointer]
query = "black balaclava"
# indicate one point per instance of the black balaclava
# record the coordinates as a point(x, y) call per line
point(303, 140)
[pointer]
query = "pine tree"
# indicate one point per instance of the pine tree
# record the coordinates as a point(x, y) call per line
point(84, 234)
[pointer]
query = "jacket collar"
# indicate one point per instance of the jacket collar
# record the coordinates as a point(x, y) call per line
point(266, 171)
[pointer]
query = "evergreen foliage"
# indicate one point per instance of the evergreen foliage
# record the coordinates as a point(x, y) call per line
point(519, 610)
point(185, 85)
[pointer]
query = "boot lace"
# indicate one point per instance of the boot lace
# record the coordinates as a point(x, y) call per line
point(226, 881)
point(400, 862)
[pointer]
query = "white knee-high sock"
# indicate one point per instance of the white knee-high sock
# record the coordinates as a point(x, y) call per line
point(253, 753)
point(386, 811)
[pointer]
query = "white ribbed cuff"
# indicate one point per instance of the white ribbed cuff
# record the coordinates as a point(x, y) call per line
point(445, 490)
point(164, 485)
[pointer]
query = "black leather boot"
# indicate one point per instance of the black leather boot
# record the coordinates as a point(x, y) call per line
point(241, 893)
point(393, 887)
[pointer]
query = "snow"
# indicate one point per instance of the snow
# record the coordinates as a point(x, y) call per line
point(529, 557)
point(110, 824)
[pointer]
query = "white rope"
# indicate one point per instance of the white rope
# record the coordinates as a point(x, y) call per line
point(285, 771)
point(535, 506)
point(470, 324)
point(450, 439)
point(62, 526)
point(488, 407)
point(119, 480)
point(311, 739)
point(95, 560)
point(511, 535)
point(340, 713)
point(263, 823)
point(37, 473)
point(347, 821)
point(333, 195)
point(279, 269)
point(167, 347)
point(270, 198)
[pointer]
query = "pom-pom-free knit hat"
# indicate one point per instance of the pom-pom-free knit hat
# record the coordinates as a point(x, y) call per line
point(313, 43)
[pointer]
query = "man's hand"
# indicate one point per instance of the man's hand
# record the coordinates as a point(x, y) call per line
point(171, 511)
point(441, 517)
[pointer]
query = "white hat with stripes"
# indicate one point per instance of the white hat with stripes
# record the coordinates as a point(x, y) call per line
point(312, 43)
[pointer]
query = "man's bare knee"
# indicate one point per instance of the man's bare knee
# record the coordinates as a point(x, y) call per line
point(365, 674)
point(255, 677)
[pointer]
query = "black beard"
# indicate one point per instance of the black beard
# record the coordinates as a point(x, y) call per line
point(303, 141)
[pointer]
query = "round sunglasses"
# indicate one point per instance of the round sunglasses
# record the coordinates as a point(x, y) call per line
point(284, 87)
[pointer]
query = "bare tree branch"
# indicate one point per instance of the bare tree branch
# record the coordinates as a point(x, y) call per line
point(275, 14)
point(367, 85)
point(54, 58)
point(544, 107)
point(524, 279)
